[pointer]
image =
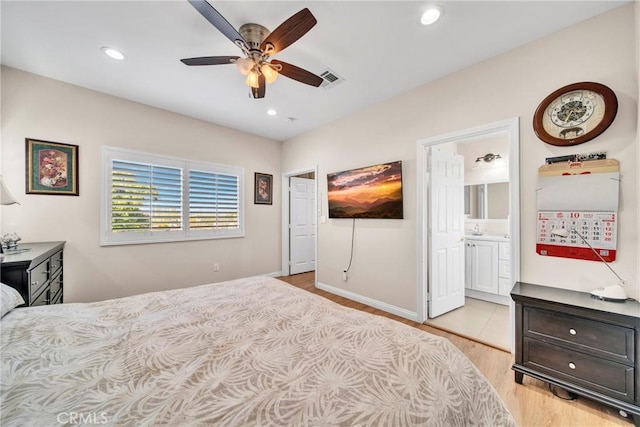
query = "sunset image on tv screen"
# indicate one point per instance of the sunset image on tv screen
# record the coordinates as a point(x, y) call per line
point(369, 192)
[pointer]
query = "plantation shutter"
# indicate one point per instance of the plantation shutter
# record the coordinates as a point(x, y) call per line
point(150, 198)
point(213, 201)
point(145, 197)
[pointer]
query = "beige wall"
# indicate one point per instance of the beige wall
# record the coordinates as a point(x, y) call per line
point(513, 84)
point(41, 108)
point(384, 264)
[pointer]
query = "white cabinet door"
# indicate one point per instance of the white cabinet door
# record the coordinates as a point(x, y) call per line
point(484, 265)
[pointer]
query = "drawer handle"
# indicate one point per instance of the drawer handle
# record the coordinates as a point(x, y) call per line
point(572, 331)
point(572, 365)
point(36, 283)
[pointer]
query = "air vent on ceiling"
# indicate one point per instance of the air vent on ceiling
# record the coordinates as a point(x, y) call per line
point(330, 79)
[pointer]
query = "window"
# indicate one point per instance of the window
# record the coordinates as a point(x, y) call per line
point(151, 198)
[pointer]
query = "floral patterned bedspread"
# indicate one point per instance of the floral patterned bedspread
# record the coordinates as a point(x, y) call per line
point(254, 351)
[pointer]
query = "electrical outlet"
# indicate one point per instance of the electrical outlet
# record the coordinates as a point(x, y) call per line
point(344, 275)
point(216, 267)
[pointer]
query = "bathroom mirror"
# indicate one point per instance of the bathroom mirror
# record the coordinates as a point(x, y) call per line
point(487, 200)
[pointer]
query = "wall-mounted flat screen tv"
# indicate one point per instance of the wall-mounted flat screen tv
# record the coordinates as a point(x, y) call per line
point(369, 192)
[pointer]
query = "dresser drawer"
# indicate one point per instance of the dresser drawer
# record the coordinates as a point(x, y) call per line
point(504, 285)
point(38, 277)
point(603, 376)
point(42, 299)
point(56, 299)
point(604, 340)
point(55, 285)
point(504, 268)
point(55, 262)
point(504, 251)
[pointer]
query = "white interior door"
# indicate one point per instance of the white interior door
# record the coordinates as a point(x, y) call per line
point(302, 225)
point(446, 231)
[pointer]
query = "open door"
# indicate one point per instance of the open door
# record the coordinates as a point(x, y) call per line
point(445, 231)
point(302, 228)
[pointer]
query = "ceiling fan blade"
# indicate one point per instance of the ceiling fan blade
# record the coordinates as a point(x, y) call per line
point(298, 74)
point(217, 20)
point(289, 31)
point(209, 60)
point(261, 89)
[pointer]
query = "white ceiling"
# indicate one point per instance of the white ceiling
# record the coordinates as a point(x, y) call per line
point(378, 47)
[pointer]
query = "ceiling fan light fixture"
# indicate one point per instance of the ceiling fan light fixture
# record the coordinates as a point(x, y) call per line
point(258, 44)
point(252, 80)
point(270, 75)
point(244, 65)
point(431, 15)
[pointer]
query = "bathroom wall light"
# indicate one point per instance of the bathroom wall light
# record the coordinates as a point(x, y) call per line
point(488, 158)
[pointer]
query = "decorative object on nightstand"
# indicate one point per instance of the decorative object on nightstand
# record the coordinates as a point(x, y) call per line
point(10, 241)
point(607, 293)
point(37, 273)
point(575, 113)
point(579, 343)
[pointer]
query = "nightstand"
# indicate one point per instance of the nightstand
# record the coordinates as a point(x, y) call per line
point(581, 344)
point(36, 273)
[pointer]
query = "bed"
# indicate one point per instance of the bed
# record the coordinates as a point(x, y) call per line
point(253, 351)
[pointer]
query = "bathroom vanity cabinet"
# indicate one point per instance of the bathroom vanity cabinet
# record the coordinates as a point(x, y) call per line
point(488, 268)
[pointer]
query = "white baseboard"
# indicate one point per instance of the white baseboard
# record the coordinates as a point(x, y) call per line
point(273, 274)
point(401, 312)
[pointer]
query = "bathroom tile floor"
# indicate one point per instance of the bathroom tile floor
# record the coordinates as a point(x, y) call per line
point(478, 320)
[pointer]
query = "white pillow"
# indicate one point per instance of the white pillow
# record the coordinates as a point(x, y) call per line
point(9, 298)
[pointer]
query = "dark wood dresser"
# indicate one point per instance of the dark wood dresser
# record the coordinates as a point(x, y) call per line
point(581, 344)
point(36, 273)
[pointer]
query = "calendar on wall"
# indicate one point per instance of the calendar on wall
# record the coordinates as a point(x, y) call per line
point(598, 228)
point(580, 197)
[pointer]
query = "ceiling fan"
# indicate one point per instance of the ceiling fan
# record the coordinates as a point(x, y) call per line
point(258, 45)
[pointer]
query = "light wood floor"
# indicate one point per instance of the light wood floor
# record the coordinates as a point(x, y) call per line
point(532, 404)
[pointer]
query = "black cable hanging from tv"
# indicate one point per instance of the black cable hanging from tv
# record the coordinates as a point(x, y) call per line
point(353, 232)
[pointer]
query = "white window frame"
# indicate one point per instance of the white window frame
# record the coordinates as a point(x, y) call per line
point(108, 238)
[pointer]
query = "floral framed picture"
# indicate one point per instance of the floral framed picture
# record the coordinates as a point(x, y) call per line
point(52, 168)
point(263, 189)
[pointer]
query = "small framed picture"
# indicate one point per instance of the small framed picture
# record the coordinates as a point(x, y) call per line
point(263, 189)
point(52, 168)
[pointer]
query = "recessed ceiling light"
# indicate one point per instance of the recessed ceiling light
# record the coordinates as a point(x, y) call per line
point(431, 15)
point(272, 112)
point(113, 53)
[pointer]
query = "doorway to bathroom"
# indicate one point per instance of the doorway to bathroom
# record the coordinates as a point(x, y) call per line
point(478, 267)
